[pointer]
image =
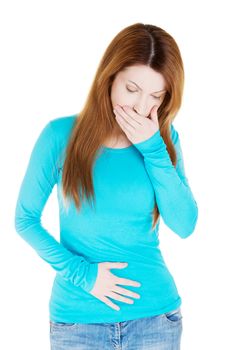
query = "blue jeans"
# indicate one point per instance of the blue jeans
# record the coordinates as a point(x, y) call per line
point(160, 332)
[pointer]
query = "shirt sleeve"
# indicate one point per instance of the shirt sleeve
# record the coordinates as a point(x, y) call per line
point(37, 184)
point(174, 197)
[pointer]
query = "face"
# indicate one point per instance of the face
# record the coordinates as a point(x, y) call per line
point(139, 87)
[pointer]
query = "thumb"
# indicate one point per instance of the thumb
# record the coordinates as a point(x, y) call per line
point(154, 114)
point(116, 265)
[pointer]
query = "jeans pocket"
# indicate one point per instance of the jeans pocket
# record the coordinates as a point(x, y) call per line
point(173, 317)
point(61, 326)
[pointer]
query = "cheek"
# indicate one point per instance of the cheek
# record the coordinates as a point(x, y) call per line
point(122, 99)
point(122, 95)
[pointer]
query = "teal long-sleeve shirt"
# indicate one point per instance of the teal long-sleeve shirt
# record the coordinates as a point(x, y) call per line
point(126, 181)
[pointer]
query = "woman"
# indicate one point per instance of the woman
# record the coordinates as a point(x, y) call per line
point(118, 167)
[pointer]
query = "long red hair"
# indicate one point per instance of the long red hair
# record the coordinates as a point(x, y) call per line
point(136, 44)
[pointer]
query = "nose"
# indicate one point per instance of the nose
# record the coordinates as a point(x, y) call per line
point(136, 109)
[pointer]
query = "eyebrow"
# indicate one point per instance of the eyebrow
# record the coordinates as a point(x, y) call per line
point(141, 89)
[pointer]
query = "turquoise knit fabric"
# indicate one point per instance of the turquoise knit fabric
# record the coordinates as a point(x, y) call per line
point(117, 228)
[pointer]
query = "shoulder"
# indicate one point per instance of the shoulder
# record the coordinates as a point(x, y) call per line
point(59, 130)
point(54, 135)
point(62, 126)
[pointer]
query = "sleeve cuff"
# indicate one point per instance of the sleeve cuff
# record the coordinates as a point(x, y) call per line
point(90, 277)
point(153, 143)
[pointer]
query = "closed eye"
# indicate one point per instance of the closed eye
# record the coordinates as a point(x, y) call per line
point(156, 97)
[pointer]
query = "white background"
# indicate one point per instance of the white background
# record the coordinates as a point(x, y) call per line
point(49, 54)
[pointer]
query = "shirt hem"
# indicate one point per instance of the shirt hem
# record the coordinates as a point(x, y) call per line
point(120, 318)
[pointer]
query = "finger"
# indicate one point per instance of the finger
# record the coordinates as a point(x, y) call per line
point(136, 118)
point(124, 291)
point(124, 126)
point(109, 303)
point(119, 297)
point(154, 114)
point(127, 282)
point(124, 120)
point(116, 265)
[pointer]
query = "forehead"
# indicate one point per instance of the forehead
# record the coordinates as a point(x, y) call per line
point(144, 76)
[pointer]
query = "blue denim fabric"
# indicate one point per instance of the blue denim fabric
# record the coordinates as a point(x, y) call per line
point(160, 332)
